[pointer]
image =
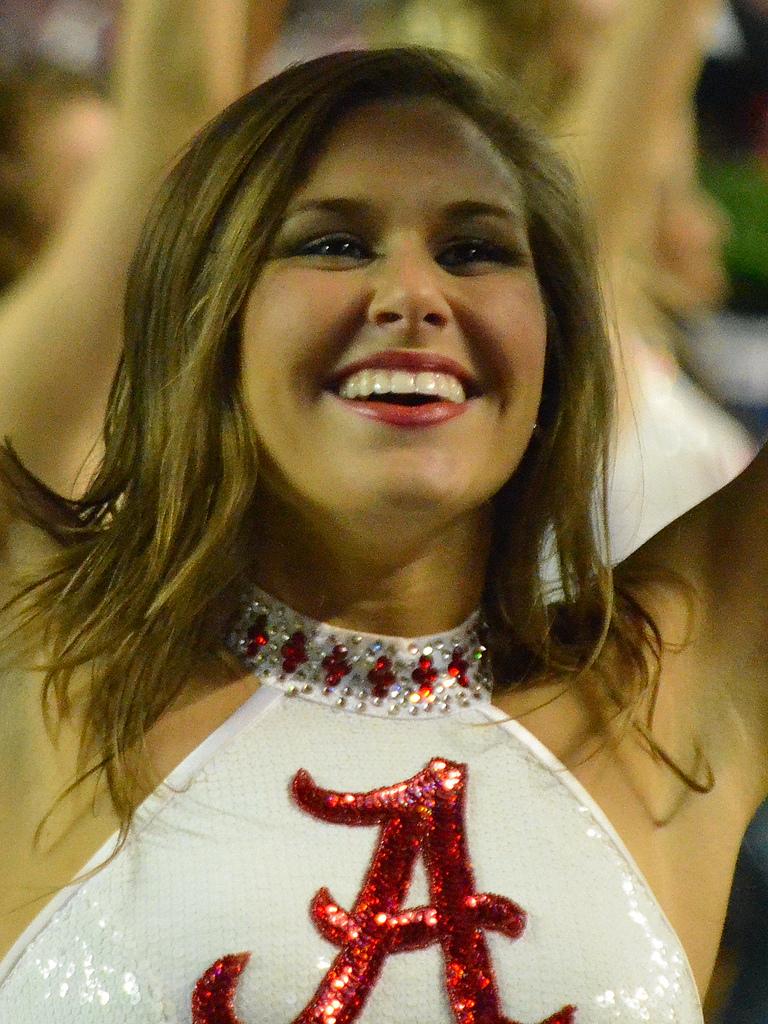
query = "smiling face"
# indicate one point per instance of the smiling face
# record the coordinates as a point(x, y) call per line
point(393, 345)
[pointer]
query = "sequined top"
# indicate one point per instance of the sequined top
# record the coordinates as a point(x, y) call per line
point(332, 863)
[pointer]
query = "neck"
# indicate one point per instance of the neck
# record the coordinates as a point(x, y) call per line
point(393, 580)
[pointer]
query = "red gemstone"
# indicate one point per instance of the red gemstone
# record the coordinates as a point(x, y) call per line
point(425, 674)
point(294, 651)
point(458, 666)
point(336, 665)
point(381, 677)
point(257, 636)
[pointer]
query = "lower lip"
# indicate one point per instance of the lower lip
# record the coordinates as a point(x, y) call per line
point(407, 415)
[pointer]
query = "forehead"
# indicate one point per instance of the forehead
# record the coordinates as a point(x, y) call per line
point(418, 150)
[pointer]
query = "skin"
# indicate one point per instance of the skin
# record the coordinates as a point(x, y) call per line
point(579, 29)
point(59, 151)
point(691, 227)
point(404, 511)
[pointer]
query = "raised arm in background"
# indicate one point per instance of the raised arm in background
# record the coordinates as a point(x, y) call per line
point(178, 63)
point(638, 81)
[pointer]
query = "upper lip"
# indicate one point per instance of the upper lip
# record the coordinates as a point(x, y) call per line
point(414, 362)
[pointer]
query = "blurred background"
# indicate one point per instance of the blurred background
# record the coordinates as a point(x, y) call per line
point(669, 132)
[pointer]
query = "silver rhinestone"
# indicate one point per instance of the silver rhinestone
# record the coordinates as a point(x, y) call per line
point(360, 706)
point(362, 694)
point(291, 691)
point(347, 691)
point(307, 688)
point(394, 709)
point(413, 649)
point(427, 650)
point(440, 645)
point(428, 707)
point(444, 707)
point(356, 640)
point(341, 702)
point(327, 691)
point(377, 701)
point(413, 709)
point(478, 694)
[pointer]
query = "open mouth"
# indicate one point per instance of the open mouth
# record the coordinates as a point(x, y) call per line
point(410, 401)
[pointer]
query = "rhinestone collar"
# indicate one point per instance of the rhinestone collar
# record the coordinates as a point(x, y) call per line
point(382, 676)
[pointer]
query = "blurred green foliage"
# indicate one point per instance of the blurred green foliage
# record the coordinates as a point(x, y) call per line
point(741, 186)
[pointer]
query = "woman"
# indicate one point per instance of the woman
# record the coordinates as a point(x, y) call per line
point(365, 375)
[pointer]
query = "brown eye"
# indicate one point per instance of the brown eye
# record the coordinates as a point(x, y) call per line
point(335, 247)
point(465, 253)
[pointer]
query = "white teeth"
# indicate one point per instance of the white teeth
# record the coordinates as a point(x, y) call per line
point(401, 382)
point(426, 383)
point(351, 388)
point(444, 388)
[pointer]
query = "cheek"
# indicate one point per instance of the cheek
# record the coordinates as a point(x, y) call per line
point(292, 329)
point(522, 325)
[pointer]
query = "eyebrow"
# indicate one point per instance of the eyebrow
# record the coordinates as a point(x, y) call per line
point(462, 210)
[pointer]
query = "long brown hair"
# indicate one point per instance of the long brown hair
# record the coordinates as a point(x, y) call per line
point(151, 558)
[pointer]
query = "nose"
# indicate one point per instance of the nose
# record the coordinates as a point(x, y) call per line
point(408, 293)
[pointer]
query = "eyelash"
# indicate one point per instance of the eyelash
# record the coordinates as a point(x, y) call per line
point(490, 252)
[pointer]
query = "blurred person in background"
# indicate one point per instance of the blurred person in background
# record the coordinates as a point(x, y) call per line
point(83, 170)
point(54, 125)
point(732, 101)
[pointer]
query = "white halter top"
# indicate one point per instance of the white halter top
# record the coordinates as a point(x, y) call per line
point(367, 839)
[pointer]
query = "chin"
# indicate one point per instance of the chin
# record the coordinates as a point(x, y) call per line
point(439, 500)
